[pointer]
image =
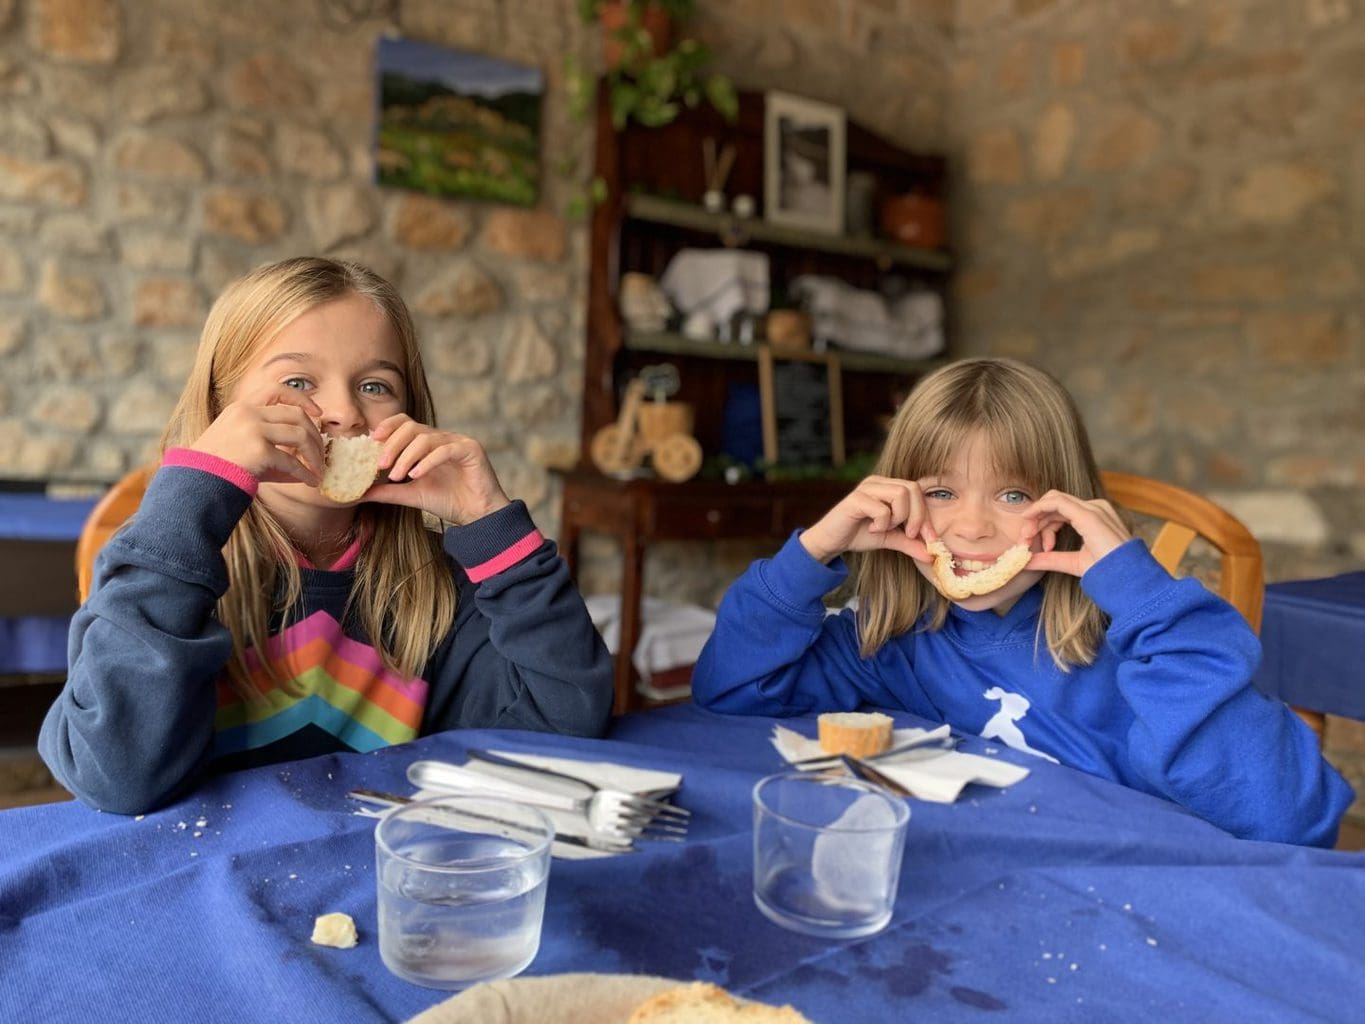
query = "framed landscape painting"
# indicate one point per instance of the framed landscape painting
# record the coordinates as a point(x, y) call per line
point(457, 124)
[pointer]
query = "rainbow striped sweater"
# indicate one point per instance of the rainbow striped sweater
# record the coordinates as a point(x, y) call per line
point(146, 710)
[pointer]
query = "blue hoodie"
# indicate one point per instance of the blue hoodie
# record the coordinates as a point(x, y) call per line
point(1167, 707)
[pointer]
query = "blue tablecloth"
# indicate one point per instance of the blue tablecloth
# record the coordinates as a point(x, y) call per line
point(1063, 898)
point(1312, 636)
point(40, 533)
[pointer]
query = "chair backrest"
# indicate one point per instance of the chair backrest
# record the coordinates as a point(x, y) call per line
point(1185, 516)
point(109, 513)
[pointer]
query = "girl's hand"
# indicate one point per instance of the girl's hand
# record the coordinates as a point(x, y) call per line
point(882, 512)
point(1099, 526)
point(446, 475)
point(272, 435)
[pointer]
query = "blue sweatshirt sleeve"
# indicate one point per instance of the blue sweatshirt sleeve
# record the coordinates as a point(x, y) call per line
point(1202, 734)
point(523, 653)
point(133, 725)
point(775, 651)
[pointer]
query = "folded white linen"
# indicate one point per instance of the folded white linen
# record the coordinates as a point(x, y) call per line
point(936, 776)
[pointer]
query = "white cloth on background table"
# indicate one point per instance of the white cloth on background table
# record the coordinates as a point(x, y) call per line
point(671, 634)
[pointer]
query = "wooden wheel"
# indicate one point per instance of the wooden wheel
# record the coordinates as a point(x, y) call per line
point(612, 451)
point(677, 457)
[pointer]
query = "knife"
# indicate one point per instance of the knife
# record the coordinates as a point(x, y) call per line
point(381, 799)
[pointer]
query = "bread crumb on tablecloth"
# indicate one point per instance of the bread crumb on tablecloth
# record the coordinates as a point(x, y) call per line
point(335, 929)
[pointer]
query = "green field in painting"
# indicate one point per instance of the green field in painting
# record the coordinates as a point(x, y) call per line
point(449, 145)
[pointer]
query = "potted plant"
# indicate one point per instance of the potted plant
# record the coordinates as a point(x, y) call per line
point(650, 77)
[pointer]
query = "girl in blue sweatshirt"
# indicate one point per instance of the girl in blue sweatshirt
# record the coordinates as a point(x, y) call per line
point(1092, 655)
point(243, 618)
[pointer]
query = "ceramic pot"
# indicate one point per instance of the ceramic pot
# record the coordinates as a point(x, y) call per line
point(914, 219)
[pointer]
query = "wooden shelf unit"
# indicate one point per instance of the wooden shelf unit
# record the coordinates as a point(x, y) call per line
point(654, 184)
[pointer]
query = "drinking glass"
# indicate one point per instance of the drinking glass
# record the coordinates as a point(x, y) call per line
point(462, 883)
point(827, 853)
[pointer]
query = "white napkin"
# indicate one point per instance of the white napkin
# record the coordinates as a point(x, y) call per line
point(642, 781)
point(938, 779)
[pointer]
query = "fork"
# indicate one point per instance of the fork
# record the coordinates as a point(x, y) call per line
point(661, 819)
point(609, 843)
point(605, 810)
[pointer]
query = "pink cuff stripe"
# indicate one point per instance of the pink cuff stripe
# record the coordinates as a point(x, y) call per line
point(229, 471)
point(510, 557)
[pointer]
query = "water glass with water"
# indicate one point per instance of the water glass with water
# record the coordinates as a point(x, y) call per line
point(827, 853)
point(462, 883)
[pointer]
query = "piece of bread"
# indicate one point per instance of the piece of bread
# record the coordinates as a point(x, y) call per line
point(352, 465)
point(701, 1002)
point(983, 581)
point(860, 733)
point(335, 929)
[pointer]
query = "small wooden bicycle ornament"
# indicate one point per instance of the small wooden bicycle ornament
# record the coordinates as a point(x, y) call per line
point(657, 429)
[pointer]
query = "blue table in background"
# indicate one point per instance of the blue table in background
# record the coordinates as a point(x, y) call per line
point(37, 578)
point(1063, 898)
point(1313, 636)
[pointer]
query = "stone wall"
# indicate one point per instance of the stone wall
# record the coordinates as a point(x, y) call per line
point(151, 151)
point(1164, 203)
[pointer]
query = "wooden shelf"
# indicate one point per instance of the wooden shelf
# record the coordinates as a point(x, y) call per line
point(669, 343)
point(736, 231)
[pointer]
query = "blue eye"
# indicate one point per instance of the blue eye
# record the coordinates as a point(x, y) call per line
point(938, 493)
point(375, 387)
point(297, 383)
point(1016, 497)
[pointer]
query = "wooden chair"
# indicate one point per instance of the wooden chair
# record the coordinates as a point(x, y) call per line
point(1185, 516)
point(109, 513)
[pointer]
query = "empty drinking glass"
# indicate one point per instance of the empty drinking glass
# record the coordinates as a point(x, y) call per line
point(827, 853)
point(462, 884)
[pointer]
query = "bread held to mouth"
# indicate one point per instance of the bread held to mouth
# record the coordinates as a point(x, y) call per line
point(983, 581)
point(860, 733)
point(352, 465)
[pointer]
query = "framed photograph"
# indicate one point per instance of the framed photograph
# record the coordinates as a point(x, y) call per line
point(457, 124)
point(803, 163)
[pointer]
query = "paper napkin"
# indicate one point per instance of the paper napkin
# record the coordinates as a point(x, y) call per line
point(939, 778)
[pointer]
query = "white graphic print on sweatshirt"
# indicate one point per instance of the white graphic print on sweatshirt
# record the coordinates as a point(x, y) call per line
point(1002, 727)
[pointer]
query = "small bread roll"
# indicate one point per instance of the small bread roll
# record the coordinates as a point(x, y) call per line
point(984, 581)
point(352, 465)
point(860, 733)
point(701, 1002)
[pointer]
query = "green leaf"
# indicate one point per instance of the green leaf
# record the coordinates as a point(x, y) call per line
point(720, 91)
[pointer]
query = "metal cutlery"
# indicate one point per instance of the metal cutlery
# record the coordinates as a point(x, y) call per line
point(610, 812)
point(860, 769)
point(924, 746)
point(610, 843)
point(640, 807)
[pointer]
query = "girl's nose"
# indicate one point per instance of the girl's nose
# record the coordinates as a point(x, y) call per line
point(973, 520)
point(341, 413)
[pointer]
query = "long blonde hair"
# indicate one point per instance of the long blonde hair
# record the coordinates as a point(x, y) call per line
point(1034, 433)
point(403, 597)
